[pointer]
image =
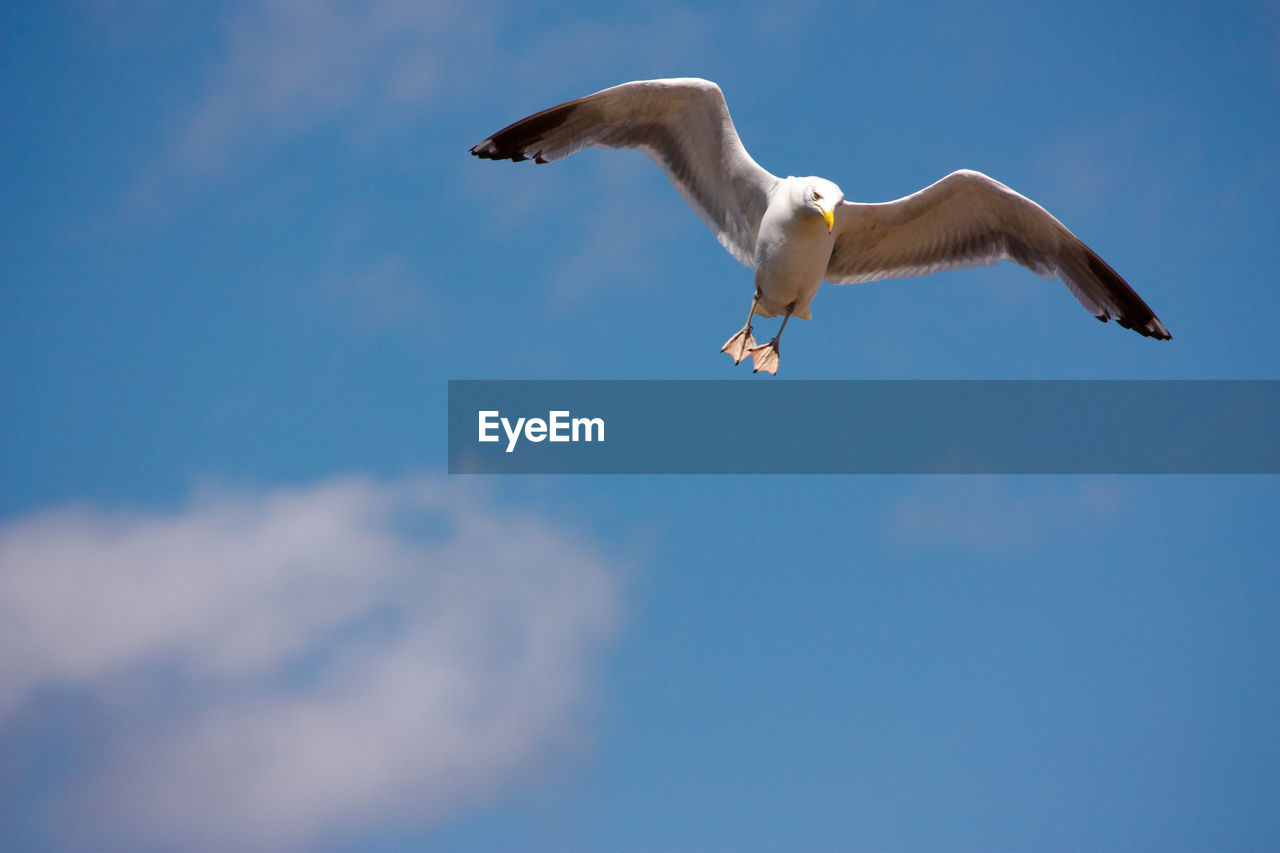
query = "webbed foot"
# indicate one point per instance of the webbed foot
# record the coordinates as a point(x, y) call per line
point(740, 344)
point(765, 357)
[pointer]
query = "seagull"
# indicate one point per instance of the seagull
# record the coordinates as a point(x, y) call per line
point(798, 232)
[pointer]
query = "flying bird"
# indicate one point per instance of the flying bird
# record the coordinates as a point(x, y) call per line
point(798, 232)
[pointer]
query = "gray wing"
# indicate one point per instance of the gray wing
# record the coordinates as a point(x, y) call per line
point(967, 220)
point(682, 124)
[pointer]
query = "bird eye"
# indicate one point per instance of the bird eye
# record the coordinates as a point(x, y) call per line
point(817, 196)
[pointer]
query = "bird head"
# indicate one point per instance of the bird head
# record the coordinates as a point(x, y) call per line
point(822, 197)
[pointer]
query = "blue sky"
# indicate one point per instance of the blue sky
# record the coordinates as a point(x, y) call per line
point(243, 606)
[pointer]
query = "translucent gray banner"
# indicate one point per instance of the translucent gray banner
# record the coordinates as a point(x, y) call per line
point(864, 427)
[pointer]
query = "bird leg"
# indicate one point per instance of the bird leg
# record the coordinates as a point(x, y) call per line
point(765, 357)
point(738, 346)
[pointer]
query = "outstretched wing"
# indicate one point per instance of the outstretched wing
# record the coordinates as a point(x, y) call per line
point(682, 124)
point(967, 220)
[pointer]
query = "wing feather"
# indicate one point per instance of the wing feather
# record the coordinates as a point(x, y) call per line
point(681, 124)
point(968, 219)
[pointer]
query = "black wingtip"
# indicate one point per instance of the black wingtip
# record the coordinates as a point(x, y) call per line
point(517, 141)
point(485, 150)
point(1130, 311)
point(1152, 328)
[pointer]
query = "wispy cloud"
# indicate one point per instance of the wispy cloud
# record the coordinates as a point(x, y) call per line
point(285, 68)
point(993, 515)
point(384, 293)
point(664, 41)
point(306, 661)
point(290, 65)
point(634, 217)
point(1091, 169)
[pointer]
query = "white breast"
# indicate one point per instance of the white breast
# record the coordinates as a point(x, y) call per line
point(792, 251)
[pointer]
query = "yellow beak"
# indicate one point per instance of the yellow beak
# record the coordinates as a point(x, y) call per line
point(829, 215)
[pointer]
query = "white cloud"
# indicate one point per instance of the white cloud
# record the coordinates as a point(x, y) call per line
point(268, 669)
